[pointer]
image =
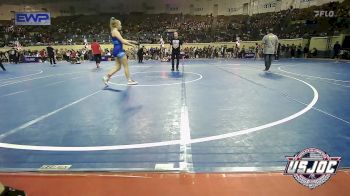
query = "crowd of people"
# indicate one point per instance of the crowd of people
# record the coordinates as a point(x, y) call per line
point(284, 51)
point(157, 53)
point(18, 56)
point(291, 23)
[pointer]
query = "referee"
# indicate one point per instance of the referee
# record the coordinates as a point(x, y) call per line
point(175, 52)
point(270, 44)
point(96, 51)
point(51, 54)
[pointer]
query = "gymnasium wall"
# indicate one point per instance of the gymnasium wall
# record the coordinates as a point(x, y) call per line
point(194, 7)
point(325, 43)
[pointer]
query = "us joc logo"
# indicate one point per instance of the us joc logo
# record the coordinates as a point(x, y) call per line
point(312, 167)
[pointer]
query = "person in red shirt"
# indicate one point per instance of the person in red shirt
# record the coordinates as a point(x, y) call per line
point(73, 57)
point(42, 54)
point(96, 51)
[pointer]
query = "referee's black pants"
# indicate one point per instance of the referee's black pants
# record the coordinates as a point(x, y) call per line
point(140, 58)
point(173, 56)
point(52, 59)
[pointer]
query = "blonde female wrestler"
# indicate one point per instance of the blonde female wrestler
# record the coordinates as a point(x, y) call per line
point(119, 53)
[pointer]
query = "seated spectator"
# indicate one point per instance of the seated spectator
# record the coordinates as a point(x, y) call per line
point(314, 52)
point(73, 57)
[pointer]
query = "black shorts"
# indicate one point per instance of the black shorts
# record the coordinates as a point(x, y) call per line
point(175, 54)
point(97, 58)
point(336, 53)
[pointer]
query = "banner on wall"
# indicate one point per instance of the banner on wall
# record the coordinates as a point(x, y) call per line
point(32, 18)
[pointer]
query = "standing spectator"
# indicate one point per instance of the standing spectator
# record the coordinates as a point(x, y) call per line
point(7, 58)
point(237, 48)
point(140, 54)
point(51, 54)
point(336, 49)
point(1, 65)
point(20, 56)
point(299, 51)
point(306, 52)
point(224, 52)
point(85, 42)
point(257, 48)
point(96, 51)
point(292, 51)
point(161, 41)
point(278, 52)
point(242, 53)
point(216, 53)
point(16, 58)
point(12, 55)
point(287, 51)
point(270, 42)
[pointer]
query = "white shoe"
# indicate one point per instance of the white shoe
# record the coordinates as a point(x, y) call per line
point(132, 82)
point(105, 80)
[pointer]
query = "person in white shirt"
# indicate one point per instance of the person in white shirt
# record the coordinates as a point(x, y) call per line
point(270, 44)
point(161, 41)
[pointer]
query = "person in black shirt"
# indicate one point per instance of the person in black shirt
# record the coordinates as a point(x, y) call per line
point(51, 54)
point(257, 48)
point(17, 55)
point(299, 51)
point(175, 52)
point(1, 65)
point(11, 55)
point(292, 51)
point(336, 49)
point(306, 52)
point(140, 53)
point(14, 55)
point(278, 52)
